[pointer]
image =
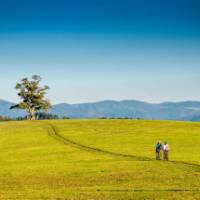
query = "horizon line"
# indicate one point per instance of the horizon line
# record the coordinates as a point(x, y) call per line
point(114, 100)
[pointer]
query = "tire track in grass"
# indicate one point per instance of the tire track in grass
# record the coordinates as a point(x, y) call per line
point(192, 166)
point(149, 190)
point(54, 133)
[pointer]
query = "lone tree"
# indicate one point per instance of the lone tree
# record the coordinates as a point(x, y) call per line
point(32, 96)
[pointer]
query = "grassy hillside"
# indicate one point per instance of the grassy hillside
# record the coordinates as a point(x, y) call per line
point(98, 159)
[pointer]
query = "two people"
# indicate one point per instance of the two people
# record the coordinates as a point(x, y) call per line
point(162, 148)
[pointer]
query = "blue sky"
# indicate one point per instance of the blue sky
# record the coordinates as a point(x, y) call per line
point(102, 49)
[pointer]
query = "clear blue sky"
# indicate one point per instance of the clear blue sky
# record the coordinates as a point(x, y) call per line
point(102, 49)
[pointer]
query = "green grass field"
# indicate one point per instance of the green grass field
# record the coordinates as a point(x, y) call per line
point(98, 160)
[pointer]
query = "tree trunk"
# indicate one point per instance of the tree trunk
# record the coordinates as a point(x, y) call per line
point(32, 114)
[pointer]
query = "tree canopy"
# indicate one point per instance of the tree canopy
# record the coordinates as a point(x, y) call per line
point(32, 96)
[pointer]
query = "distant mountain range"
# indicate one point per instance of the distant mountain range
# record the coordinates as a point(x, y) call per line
point(188, 110)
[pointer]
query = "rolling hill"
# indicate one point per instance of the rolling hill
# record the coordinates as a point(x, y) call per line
point(98, 159)
point(6, 112)
point(188, 110)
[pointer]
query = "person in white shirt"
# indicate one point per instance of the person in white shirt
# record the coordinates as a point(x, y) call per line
point(166, 151)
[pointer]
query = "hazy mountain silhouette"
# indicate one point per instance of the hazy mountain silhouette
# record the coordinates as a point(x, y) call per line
point(5, 110)
point(188, 110)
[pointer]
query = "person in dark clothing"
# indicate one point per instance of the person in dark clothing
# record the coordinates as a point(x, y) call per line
point(158, 150)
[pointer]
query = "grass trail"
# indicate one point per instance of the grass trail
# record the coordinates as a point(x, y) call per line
point(54, 133)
